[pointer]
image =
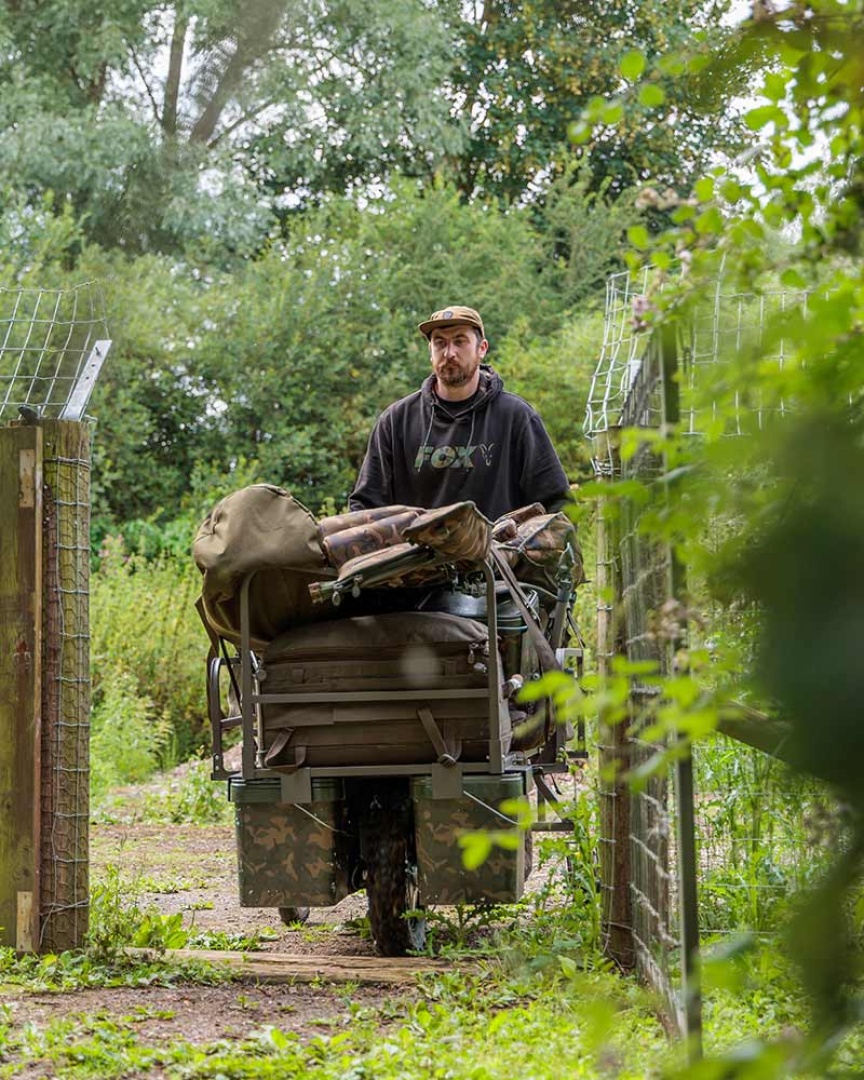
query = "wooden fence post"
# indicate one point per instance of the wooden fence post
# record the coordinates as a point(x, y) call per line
point(613, 744)
point(20, 683)
point(65, 774)
point(44, 684)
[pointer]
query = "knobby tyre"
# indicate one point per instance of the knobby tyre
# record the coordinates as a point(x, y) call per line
point(392, 888)
point(290, 916)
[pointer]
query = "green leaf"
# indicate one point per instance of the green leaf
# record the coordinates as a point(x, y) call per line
point(476, 849)
point(632, 64)
point(638, 236)
point(579, 132)
point(775, 86)
point(568, 966)
point(704, 189)
point(651, 95)
point(547, 685)
point(612, 113)
point(672, 64)
point(731, 190)
point(709, 222)
point(793, 279)
point(761, 117)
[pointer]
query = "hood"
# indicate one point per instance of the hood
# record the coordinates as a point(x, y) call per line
point(491, 385)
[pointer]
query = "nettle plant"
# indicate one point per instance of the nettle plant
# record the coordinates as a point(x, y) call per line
point(786, 496)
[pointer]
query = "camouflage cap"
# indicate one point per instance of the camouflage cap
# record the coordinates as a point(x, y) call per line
point(452, 316)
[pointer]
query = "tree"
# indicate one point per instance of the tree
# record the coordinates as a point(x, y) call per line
point(205, 123)
point(287, 361)
point(525, 70)
point(147, 116)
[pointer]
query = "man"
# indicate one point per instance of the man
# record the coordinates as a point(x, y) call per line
point(461, 436)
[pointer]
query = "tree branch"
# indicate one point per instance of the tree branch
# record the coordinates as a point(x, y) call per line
point(252, 42)
point(154, 104)
point(175, 68)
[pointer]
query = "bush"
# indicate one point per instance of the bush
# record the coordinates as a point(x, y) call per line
point(146, 637)
point(126, 744)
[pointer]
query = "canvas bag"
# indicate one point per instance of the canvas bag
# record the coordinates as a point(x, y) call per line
point(262, 528)
point(401, 651)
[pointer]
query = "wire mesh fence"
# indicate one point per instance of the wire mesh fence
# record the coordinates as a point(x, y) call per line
point(65, 771)
point(751, 832)
point(719, 329)
point(53, 343)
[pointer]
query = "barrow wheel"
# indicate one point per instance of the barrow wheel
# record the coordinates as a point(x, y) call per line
point(290, 916)
point(393, 891)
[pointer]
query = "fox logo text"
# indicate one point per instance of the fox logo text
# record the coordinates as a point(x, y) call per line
point(451, 457)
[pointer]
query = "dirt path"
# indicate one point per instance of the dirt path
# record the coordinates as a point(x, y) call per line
point(191, 869)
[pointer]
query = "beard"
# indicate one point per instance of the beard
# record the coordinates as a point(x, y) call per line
point(452, 374)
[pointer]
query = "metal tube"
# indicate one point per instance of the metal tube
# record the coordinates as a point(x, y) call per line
point(496, 750)
point(246, 711)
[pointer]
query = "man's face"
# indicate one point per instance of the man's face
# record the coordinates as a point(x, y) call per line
point(456, 353)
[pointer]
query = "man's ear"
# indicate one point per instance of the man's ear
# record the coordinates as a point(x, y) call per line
point(484, 348)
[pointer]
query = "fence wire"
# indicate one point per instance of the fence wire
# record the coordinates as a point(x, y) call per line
point(760, 831)
point(52, 345)
point(64, 856)
point(726, 326)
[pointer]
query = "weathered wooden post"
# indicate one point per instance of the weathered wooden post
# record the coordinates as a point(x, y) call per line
point(65, 745)
point(52, 347)
point(44, 684)
point(20, 683)
point(613, 742)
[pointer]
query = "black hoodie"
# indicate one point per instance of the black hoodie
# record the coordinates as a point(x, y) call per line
point(492, 449)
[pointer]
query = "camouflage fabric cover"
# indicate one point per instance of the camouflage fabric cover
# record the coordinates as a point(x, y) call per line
point(263, 528)
point(505, 528)
point(340, 522)
point(352, 535)
point(288, 856)
point(407, 549)
point(443, 878)
point(457, 532)
point(395, 566)
point(538, 547)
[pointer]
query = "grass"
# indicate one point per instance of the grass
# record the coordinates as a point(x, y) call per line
point(539, 999)
point(462, 1027)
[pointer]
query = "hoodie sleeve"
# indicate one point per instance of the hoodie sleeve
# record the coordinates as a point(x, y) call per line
point(542, 478)
point(374, 486)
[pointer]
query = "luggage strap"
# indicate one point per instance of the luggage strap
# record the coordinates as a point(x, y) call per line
point(545, 652)
point(445, 757)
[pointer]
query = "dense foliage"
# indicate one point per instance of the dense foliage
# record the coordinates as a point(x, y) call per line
point(285, 363)
point(189, 127)
point(787, 538)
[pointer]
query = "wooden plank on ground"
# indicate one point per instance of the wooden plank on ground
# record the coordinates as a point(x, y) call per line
point(283, 967)
point(20, 682)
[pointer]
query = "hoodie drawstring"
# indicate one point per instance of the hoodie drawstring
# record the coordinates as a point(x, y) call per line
point(419, 459)
point(425, 442)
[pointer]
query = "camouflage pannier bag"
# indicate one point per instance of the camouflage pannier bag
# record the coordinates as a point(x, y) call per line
point(349, 536)
point(459, 532)
point(537, 545)
point(402, 547)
